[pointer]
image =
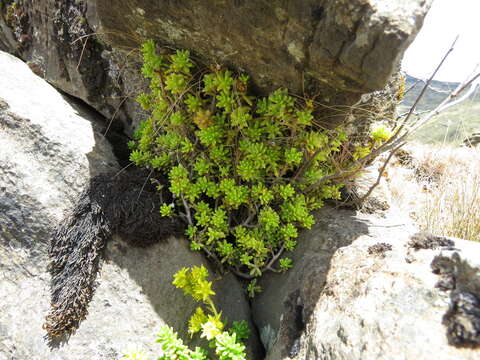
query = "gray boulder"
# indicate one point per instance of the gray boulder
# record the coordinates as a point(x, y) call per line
point(338, 49)
point(365, 288)
point(350, 46)
point(58, 43)
point(50, 151)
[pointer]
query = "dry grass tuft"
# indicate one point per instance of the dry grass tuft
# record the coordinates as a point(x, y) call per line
point(440, 188)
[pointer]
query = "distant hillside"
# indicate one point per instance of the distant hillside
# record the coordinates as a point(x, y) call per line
point(451, 126)
point(437, 92)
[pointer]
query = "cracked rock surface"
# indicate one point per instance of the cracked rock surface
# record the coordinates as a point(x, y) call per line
point(351, 47)
point(339, 49)
point(344, 301)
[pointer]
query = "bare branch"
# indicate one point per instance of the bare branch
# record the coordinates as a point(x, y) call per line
point(242, 274)
point(377, 182)
point(413, 86)
point(425, 87)
point(398, 140)
point(275, 258)
point(414, 113)
point(473, 82)
point(440, 91)
point(187, 211)
point(214, 258)
point(267, 267)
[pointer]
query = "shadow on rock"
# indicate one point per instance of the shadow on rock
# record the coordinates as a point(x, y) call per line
point(152, 269)
point(287, 301)
point(125, 204)
point(462, 319)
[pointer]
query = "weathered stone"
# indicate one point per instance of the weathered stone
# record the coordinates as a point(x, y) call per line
point(287, 300)
point(49, 152)
point(342, 49)
point(65, 51)
point(134, 298)
point(350, 46)
point(343, 301)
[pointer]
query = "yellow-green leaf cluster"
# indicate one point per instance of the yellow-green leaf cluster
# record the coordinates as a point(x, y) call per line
point(246, 171)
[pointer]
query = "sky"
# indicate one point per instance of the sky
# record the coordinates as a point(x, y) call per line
point(445, 20)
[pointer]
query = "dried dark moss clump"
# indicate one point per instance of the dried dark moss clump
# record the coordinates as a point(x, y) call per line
point(423, 240)
point(463, 320)
point(446, 269)
point(128, 205)
point(379, 249)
